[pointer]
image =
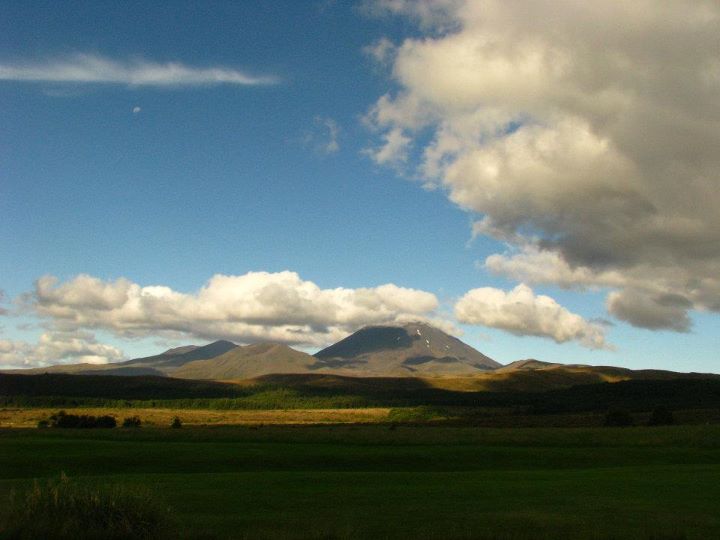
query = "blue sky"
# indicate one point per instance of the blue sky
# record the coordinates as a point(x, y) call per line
point(170, 183)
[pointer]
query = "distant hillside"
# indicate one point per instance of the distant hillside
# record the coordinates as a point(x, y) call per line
point(174, 358)
point(418, 352)
point(247, 362)
point(410, 350)
point(160, 364)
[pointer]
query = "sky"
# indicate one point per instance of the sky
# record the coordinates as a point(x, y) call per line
point(539, 178)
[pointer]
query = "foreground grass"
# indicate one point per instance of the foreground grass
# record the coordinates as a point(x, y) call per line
point(64, 509)
point(408, 482)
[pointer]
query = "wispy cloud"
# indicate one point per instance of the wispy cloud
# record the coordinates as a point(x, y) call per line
point(330, 144)
point(88, 68)
point(324, 136)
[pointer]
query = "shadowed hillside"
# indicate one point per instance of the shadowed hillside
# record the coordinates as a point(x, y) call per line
point(332, 391)
point(410, 350)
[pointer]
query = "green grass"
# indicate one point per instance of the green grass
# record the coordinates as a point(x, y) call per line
point(64, 509)
point(408, 482)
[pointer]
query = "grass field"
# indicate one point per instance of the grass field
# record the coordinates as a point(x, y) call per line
point(24, 418)
point(374, 481)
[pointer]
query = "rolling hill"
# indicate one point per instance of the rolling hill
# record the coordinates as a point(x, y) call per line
point(247, 362)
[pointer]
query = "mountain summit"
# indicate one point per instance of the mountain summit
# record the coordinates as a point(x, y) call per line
point(412, 349)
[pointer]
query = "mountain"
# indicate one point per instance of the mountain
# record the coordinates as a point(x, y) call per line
point(410, 350)
point(527, 365)
point(385, 359)
point(163, 364)
point(248, 362)
point(174, 358)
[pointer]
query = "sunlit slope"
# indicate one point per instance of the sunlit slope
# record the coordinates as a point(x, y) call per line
point(541, 378)
point(247, 362)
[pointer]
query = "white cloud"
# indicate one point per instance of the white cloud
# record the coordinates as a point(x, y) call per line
point(257, 306)
point(136, 109)
point(585, 135)
point(523, 313)
point(57, 348)
point(89, 68)
point(394, 150)
point(534, 265)
point(331, 144)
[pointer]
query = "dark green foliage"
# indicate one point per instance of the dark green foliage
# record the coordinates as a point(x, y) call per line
point(112, 387)
point(302, 392)
point(62, 509)
point(661, 416)
point(618, 418)
point(176, 423)
point(74, 421)
point(42, 424)
point(132, 422)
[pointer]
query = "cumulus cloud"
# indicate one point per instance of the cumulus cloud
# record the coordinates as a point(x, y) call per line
point(257, 306)
point(57, 348)
point(136, 109)
point(587, 131)
point(89, 68)
point(523, 313)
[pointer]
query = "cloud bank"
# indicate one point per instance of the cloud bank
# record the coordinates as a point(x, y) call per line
point(584, 135)
point(88, 68)
point(57, 348)
point(523, 313)
point(257, 306)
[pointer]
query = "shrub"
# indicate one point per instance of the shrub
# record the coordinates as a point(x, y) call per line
point(43, 424)
point(618, 418)
point(176, 423)
point(132, 422)
point(64, 510)
point(64, 420)
point(661, 416)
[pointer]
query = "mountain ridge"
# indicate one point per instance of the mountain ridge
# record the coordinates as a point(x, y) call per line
point(396, 352)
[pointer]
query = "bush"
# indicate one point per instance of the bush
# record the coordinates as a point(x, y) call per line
point(64, 420)
point(62, 509)
point(661, 416)
point(42, 424)
point(132, 422)
point(618, 418)
point(176, 423)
